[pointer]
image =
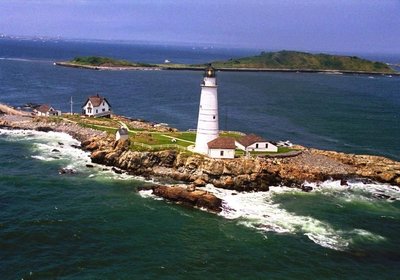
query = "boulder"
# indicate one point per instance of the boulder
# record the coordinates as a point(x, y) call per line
point(62, 171)
point(195, 198)
point(199, 182)
point(44, 128)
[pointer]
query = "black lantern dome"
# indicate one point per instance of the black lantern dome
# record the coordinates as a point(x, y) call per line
point(209, 72)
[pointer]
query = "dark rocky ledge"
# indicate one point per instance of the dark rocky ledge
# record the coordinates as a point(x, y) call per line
point(241, 174)
point(189, 196)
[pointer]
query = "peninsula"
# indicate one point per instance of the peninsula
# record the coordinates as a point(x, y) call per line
point(257, 173)
point(282, 61)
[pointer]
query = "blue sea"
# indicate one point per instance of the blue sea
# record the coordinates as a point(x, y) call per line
point(96, 225)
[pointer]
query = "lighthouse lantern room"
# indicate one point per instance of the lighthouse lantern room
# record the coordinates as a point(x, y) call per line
point(207, 125)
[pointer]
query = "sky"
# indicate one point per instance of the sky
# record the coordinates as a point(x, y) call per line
point(310, 25)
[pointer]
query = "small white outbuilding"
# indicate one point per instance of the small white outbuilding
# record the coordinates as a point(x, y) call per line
point(46, 110)
point(222, 147)
point(122, 134)
point(255, 143)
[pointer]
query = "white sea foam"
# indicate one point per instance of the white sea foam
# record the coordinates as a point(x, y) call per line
point(357, 190)
point(149, 194)
point(61, 147)
point(258, 210)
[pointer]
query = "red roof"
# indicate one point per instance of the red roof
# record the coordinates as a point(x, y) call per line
point(44, 108)
point(222, 143)
point(250, 139)
point(96, 100)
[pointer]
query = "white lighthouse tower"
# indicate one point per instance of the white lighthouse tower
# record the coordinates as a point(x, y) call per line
point(207, 125)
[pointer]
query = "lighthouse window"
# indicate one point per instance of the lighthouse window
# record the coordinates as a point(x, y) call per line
point(213, 117)
point(256, 146)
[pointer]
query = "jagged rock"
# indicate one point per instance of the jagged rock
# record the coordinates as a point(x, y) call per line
point(145, 187)
point(98, 156)
point(55, 151)
point(306, 188)
point(239, 174)
point(89, 165)
point(195, 198)
point(91, 146)
point(199, 182)
point(44, 128)
point(62, 171)
point(228, 181)
point(116, 170)
point(381, 196)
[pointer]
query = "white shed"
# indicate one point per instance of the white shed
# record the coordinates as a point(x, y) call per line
point(122, 134)
point(96, 106)
point(222, 147)
point(46, 110)
point(256, 143)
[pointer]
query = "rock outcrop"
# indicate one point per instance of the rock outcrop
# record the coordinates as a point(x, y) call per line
point(191, 197)
point(243, 174)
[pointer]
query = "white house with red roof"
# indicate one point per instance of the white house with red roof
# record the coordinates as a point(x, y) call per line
point(222, 147)
point(46, 110)
point(255, 143)
point(96, 106)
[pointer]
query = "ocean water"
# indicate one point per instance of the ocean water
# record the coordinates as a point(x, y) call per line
point(96, 225)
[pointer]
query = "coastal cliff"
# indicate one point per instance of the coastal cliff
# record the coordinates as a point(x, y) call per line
point(245, 174)
point(241, 174)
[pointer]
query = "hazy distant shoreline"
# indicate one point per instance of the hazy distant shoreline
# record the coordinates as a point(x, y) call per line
point(197, 68)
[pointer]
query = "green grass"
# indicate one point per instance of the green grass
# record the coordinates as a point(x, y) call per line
point(106, 61)
point(235, 135)
point(188, 136)
point(109, 130)
point(281, 150)
point(151, 138)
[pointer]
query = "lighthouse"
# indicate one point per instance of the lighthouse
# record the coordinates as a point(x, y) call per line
point(207, 124)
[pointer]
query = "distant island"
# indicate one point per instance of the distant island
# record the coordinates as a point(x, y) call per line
point(282, 61)
point(104, 63)
point(301, 60)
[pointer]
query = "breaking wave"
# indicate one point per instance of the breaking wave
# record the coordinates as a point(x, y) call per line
point(256, 210)
point(61, 148)
point(358, 190)
point(259, 211)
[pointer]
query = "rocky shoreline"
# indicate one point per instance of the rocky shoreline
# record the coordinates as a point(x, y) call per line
point(240, 174)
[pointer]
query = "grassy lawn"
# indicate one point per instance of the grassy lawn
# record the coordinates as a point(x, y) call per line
point(152, 138)
point(188, 136)
point(109, 130)
point(281, 150)
point(156, 138)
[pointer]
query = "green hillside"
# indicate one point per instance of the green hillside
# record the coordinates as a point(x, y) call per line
point(302, 60)
point(106, 62)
